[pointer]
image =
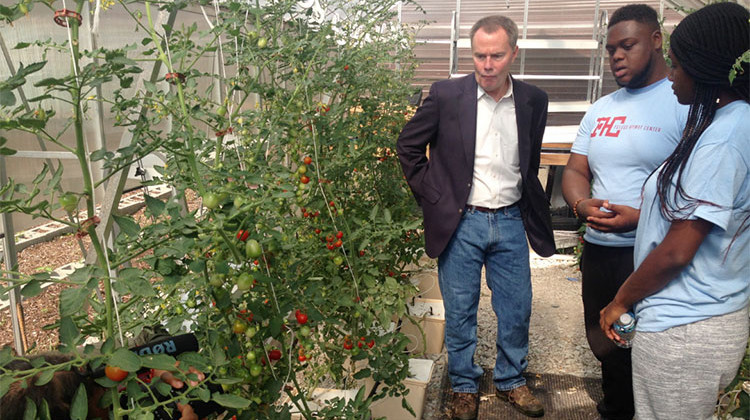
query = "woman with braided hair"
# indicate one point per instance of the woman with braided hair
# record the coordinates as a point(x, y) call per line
point(691, 288)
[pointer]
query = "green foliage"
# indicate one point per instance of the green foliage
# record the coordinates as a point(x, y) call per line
point(297, 151)
point(737, 67)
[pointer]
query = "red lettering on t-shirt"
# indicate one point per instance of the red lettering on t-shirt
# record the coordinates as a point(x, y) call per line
point(604, 126)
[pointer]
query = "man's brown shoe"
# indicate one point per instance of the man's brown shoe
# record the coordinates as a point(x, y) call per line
point(465, 406)
point(522, 400)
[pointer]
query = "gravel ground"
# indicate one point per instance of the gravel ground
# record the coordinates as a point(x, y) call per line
point(557, 341)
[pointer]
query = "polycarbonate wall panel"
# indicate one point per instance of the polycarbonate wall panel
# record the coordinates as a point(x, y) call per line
point(116, 30)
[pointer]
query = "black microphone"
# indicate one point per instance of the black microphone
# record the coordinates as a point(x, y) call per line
point(168, 345)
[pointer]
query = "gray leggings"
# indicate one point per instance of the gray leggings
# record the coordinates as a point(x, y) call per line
point(678, 373)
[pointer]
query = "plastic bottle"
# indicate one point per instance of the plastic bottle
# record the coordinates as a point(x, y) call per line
point(625, 328)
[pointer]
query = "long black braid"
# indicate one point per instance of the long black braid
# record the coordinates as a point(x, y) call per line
point(706, 44)
point(700, 116)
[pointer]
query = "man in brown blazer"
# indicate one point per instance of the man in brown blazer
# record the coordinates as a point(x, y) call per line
point(481, 198)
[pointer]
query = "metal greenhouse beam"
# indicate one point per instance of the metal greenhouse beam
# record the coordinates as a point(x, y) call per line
point(114, 189)
point(10, 258)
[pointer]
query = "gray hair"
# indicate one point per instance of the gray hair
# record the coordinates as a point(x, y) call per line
point(491, 24)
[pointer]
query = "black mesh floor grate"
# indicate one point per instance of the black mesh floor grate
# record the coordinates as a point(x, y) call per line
point(565, 397)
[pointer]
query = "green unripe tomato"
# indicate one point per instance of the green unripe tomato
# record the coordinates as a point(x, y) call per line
point(216, 280)
point(250, 356)
point(262, 42)
point(222, 111)
point(245, 281)
point(256, 370)
point(68, 201)
point(251, 331)
point(304, 331)
point(253, 249)
point(211, 200)
point(338, 260)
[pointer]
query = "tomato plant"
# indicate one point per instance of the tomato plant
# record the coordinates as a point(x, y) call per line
point(293, 140)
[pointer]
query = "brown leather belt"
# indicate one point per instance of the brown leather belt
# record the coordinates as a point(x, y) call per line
point(489, 210)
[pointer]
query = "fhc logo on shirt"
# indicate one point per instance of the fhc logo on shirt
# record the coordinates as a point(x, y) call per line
point(605, 125)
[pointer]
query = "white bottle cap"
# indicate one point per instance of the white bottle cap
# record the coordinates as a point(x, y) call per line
point(626, 318)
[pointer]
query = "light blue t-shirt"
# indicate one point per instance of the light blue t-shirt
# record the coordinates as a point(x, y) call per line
point(717, 280)
point(626, 135)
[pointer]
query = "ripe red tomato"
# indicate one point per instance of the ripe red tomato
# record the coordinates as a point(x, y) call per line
point(301, 317)
point(304, 179)
point(339, 234)
point(243, 235)
point(371, 343)
point(274, 354)
point(347, 344)
point(338, 243)
point(307, 160)
point(115, 374)
point(346, 67)
point(301, 357)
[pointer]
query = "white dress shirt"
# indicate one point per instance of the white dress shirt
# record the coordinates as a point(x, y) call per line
point(497, 172)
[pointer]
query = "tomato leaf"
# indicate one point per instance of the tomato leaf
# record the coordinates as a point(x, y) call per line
point(154, 205)
point(163, 388)
point(125, 359)
point(139, 286)
point(6, 355)
point(80, 408)
point(203, 393)
point(72, 300)
point(69, 332)
point(5, 382)
point(31, 289)
point(45, 377)
point(195, 360)
point(7, 98)
point(275, 325)
point(159, 361)
point(43, 411)
point(30, 412)
point(231, 401)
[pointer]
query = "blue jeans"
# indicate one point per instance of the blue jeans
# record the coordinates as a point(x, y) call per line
point(496, 241)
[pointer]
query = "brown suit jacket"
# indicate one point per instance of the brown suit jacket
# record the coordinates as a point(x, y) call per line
point(446, 122)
